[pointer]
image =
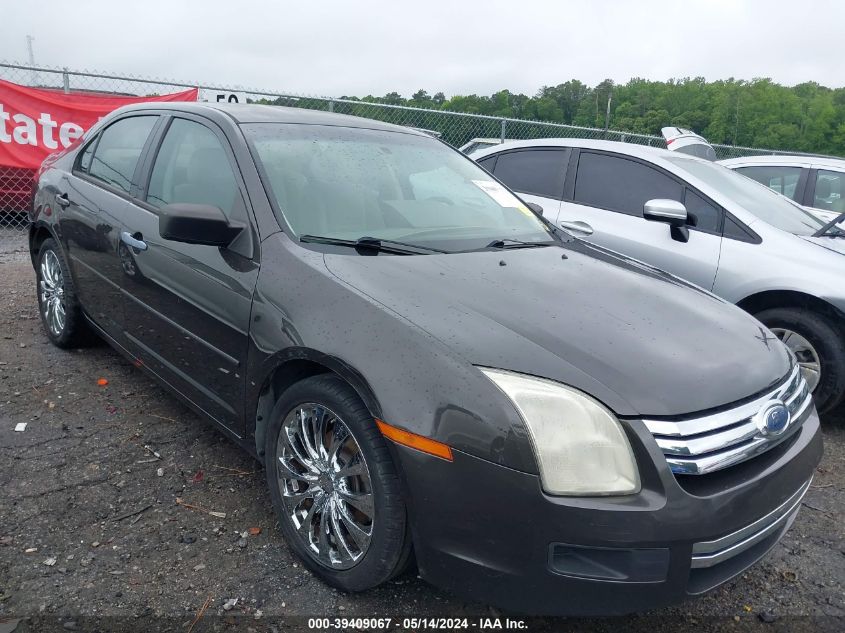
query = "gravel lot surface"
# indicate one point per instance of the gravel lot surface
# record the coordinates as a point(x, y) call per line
point(92, 536)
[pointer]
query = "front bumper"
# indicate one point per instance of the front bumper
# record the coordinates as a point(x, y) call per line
point(489, 533)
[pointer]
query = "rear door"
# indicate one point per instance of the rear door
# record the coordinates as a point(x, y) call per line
point(535, 173)
point(606, 199)
point(96, 194)
point(188, 305)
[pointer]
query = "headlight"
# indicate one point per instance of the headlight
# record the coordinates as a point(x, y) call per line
point(580, 445)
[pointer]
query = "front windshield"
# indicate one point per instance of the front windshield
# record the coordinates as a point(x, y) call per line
point(758, 199)
point(347, 183)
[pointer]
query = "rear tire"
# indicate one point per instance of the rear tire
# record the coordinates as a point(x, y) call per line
point(58, 305)
point(826, 344)
point(310, 482)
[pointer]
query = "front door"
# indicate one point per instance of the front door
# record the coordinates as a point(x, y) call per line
point(188, 305)
point(607, 201)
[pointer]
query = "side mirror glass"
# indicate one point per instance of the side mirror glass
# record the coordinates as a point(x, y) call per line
point(196, 224)
point(671, 212)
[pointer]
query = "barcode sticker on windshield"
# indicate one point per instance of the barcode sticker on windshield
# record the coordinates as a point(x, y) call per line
point(501, 195)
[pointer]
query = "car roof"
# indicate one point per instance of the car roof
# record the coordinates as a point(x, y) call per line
point(786, 160)
point(256, 113)
point(653, 154)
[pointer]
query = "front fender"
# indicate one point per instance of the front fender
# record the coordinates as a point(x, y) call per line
point(302, 313)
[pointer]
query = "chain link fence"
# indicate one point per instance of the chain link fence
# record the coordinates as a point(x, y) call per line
point(456, 128)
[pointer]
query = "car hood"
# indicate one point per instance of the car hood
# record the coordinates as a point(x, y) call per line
point(641, 341)
point(835, 244)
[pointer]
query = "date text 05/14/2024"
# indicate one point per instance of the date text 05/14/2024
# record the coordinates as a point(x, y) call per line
point(431, 623)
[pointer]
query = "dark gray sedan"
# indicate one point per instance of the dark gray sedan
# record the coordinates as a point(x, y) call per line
point(427, 368)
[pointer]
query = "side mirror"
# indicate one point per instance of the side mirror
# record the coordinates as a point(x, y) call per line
point(536, 208)
point(196, 224)
point(672, 213)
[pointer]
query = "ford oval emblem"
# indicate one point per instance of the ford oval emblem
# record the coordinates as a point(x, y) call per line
point(773, 418)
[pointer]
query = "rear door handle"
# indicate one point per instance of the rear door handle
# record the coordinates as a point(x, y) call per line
point(578, 226)
point(62, 200)
point(135, 241)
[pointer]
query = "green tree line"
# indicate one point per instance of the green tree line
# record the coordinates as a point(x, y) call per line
point(807, 117)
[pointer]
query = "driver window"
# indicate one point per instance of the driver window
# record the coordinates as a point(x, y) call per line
point(193, 167)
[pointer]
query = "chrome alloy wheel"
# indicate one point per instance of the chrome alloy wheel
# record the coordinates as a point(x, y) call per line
point(808, 358)
point(325, 486)
point(52, 290)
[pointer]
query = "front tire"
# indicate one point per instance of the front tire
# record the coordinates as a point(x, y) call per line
point(334, 486)
point(819, 347)
point(58, 304)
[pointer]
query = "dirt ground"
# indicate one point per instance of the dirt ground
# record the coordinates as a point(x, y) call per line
point(93, 536)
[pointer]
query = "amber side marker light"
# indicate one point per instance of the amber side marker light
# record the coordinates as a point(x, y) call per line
point(418, 442)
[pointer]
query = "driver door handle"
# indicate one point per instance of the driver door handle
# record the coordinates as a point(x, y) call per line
point(135, 241)
point(62, 200)
point(578, 226)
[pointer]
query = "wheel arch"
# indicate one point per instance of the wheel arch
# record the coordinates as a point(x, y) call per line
point(791, 299)
point(286, 368)
point(38, 233)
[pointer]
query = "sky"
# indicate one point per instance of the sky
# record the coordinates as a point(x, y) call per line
point(360, 47)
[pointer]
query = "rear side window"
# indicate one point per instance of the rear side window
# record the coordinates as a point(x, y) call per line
point(119, 149)
point(536, 171)
point(84, 161)
point(193, 167)
point(784, 180)
point(619, 184)
point(829, 194)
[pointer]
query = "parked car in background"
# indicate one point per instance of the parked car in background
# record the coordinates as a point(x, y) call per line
point(422, 363)
point(679, 139)
point(816, 183)
point(705, 223)
point(477, 144)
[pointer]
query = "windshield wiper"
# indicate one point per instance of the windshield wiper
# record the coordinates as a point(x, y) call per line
point(374, 243)
point(831, 225)
point(512, 243)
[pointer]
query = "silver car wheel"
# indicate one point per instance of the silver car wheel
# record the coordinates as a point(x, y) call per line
point(325, 486)
point(808, 358)
point(52, 293)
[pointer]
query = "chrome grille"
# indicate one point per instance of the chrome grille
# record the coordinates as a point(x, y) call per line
point(699, 445)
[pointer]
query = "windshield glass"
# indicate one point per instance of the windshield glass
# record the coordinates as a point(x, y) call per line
point(349, 183)
point(758, 199)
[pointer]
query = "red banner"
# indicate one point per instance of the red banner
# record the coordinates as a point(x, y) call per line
point(35, 122)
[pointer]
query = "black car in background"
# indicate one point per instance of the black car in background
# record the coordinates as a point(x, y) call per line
point(428, 369)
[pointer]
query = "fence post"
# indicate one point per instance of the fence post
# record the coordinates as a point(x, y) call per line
point(331, 105)
point(65, 80)
point(504, 129)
